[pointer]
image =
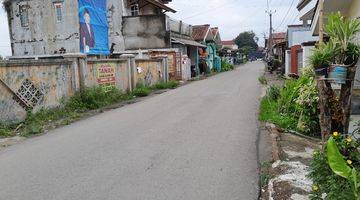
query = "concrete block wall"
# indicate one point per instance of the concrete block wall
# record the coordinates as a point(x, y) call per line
point(45, 83)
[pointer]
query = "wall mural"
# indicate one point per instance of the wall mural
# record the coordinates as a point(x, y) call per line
point(93, 27)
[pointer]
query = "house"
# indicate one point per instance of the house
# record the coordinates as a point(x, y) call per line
point(40, 27)
point(206, 35)
point(300, 40)
point(279, 42)
point(229, 44)
point(350, 9)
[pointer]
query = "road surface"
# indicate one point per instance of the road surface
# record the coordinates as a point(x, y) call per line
point(197, 142)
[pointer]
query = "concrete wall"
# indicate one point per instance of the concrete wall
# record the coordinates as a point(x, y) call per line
point(179, 27)
point(46, 36)
point(298, 35)
point(146, 32)
point(354, 10)
point(34, 84)
point(108, 73)
point(307, 52)
point(149, 72)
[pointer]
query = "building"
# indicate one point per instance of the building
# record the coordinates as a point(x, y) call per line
point(210, 37)
point(40, 27)
point(229, 44)
point(300, 40)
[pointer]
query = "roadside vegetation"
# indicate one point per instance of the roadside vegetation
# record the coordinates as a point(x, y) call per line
point(294, 105)
point(87, 99)
point(263, 80)
point(225, 66)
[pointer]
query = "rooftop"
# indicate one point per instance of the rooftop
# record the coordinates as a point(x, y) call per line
point(200, 31)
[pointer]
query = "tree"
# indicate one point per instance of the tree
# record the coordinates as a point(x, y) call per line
point(247, 41)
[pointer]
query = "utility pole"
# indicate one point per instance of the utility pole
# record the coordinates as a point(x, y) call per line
point(270, 42)
point(321, 21)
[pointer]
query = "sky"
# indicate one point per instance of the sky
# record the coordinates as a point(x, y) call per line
point(231, 16)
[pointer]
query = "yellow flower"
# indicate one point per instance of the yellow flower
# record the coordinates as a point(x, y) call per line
point(349, 162)
point(335, 134)
point(348, 139)
point(315, 188)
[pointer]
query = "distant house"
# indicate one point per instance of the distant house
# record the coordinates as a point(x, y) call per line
point(229, 44)
point(205, 35)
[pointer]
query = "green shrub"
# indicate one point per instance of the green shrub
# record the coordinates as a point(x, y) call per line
point(225, 66)
point(335, 187)
point(263, 80)
point(331, 171)
point(273, 93)
point(5, 131)
point(93, 98)
point(293, 107)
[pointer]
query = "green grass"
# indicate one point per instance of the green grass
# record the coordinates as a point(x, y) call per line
point(166, 85)
point(269, 112)
point(265, 174)
point(86, 99)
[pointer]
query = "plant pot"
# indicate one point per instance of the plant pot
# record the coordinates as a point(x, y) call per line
point(338, 74)
point(322, 72)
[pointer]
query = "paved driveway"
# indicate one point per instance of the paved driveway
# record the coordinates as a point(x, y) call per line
point(197, 142)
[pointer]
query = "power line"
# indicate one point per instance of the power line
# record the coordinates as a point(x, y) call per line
point(287, 13)
point(211, 9)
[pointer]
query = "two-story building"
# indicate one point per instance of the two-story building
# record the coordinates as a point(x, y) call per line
point(41, 27)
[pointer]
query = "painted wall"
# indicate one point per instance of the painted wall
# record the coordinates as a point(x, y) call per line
point(46, 36)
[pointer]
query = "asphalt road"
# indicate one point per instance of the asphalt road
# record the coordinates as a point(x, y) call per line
point(197, 142)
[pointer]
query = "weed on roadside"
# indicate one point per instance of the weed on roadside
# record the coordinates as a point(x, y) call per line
point(265, 174)
point(263, 80)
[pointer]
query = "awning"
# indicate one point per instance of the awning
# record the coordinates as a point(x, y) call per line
point(187, 42)
point(161, 5)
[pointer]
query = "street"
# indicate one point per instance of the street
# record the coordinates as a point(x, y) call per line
point(197, 142)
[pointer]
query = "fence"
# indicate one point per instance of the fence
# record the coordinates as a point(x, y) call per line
point(44, 83)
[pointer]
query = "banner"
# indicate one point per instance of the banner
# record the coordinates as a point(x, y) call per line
point(93, 27)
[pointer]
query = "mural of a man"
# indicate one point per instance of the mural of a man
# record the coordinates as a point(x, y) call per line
point(87, 36)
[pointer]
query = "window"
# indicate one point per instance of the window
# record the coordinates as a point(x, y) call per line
point(24, 15)
point(134, 9)
point(58, 12)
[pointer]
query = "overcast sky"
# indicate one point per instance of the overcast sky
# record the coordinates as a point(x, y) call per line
point(231, 16)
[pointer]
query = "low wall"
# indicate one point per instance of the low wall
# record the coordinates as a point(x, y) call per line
point(34, 84)
point(109, 73)
point(31, 84)
point(149, 72)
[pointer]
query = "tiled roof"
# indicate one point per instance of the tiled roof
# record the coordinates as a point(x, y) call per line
point(228, 42)
point(200, 31)
point(281, 35)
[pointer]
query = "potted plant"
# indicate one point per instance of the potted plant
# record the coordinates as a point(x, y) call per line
point(322, 58)
point(342, 32)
